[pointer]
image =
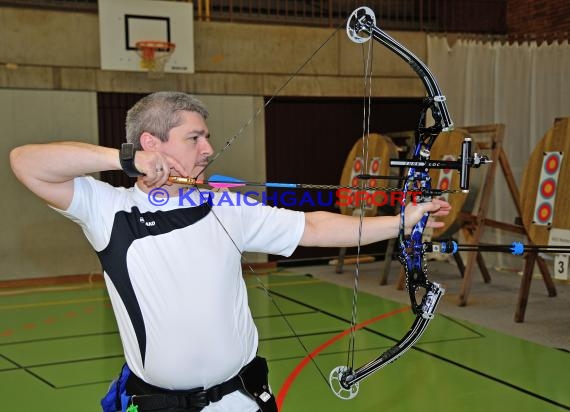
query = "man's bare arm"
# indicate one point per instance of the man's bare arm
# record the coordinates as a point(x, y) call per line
point(336, 230)
point(48, 169)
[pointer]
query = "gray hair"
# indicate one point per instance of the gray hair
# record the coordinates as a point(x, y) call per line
point(159, 112)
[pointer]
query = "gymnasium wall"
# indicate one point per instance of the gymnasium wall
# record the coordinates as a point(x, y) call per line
point(44, 49)
point(549, 18)
point(37, 241)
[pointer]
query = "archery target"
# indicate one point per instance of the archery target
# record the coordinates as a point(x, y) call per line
point(357, 165)
point(358, 169)
point(373, 170)
point(544, 213)
point(545, 182)
point(374, 165)
point(546, 191)
point(552, 162)
point(380, 149)
point(444, 184)
point(444, 179)
point(547, 188)
point(354, 181)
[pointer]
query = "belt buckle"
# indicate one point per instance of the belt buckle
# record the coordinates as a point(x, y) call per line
point(198, 399)
point(214, 394)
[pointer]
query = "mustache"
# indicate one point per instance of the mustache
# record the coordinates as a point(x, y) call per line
point(203, 161)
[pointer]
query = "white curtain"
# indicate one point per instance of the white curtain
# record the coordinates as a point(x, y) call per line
point(525, 86)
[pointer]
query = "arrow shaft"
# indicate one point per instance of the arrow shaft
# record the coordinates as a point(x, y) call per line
point(233, 183)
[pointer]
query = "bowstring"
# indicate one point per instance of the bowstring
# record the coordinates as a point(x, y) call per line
point(367, 58)
point(228, 144)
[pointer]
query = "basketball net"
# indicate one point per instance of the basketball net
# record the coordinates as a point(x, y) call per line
point(154, 55)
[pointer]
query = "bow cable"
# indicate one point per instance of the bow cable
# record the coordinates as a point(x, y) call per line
point(367, 58)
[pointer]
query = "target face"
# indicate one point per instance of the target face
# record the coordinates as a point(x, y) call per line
point(445, 176)
point(548, 188)
point(544, 213)
point(375, 166)
point(552, 163)
point(444, 184)
point(357, 165)
point(546, 191)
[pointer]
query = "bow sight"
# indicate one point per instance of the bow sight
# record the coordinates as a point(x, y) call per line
point(466, 161)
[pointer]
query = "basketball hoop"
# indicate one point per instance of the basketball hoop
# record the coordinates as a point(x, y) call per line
point(154, 55)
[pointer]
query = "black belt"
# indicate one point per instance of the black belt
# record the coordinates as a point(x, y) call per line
point(148, 397)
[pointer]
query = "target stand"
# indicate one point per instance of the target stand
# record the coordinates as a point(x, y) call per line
point(543, 198)
point(472, 225)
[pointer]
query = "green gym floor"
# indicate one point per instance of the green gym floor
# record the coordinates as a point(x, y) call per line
point(59, 349)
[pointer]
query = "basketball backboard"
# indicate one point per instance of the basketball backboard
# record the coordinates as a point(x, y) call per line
point(122, 23)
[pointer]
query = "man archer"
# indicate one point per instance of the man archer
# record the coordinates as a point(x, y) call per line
point(176, 284)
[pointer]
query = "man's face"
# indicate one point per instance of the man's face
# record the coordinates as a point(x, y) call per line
point(188, 143)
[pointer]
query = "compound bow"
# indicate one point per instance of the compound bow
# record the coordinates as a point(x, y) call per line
point(361, 27)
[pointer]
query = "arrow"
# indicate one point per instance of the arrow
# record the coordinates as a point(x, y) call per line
point(220, 181)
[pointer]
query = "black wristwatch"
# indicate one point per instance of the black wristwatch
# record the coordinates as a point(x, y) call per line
point(127, 159)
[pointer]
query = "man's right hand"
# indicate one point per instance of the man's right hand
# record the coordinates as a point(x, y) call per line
point(157, 167)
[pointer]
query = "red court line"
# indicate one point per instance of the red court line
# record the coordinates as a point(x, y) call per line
point(293, 375)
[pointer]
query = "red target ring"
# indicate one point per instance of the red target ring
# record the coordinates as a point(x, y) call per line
point(544, 212)
point(375, 166)
point(552, 163)
point(548, 188)
point(357, 165)
point(448, 157)
point(354, 181)
point(444, 184)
